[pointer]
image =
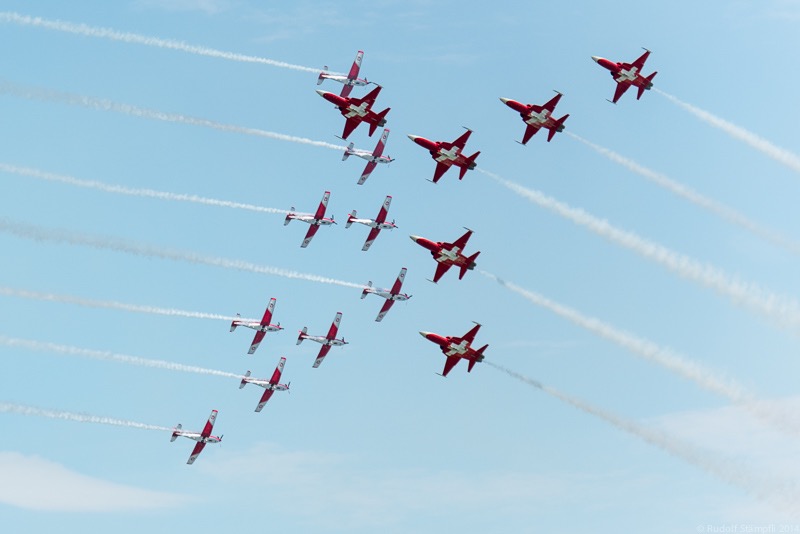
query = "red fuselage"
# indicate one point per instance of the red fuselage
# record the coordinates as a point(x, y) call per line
point(350, 110)
point(622, 72)
point(443, 252)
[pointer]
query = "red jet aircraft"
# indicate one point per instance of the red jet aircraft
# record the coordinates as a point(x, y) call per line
point(391, 295)
point(261, 328)
point(270, 386)
point(327, 341)
point(357, 110)
point(455, 348)
point(448, 154)
point(376, 225)
point(200, 437)
point(536, 117)
point(316, 220)
point(350, 80)
point(448, 254)
point(627, 74)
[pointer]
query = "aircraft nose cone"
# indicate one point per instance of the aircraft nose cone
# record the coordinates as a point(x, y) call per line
point(414, 238)
point(504, 100)
point(321, 93)
point(413, 137)
point(424, 334)
point(596, 59)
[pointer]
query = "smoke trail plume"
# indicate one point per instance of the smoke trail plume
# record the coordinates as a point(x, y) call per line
point(113, 305)
point(781, 155)
point(127, 37)
point(648, 350)
point(21, 409)
point(45, 95)
point(778, 493)
point(783, 310)
point(122, 190)
point(721, 210)
point(39, 233)
point(110, 356)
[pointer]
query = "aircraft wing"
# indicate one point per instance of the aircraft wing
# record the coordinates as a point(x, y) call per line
point(369, 98)
point(551, 104)
point(334, 326)
point(470, 336)
point(384, 310)
point(321, 356)
point(639, 63)
point(441, 168)
point(399, 282)
point(264, 398)
point(621, 88)
point(530, 130)
point(352, 75)
point(209, 424)
point(350, 124)
point(441, 268)
point(462, 141)
point(367, 171)
point(461, 242)
point(381, 143)
point(198, 448)
point(276, 376)
point(371, 237)
point(449, 363)
point(323, 205)
point(309, 235)
point(256, 341)
point(384, 211)
point(268, 313)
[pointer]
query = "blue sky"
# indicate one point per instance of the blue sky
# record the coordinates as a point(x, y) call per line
point(374, 439)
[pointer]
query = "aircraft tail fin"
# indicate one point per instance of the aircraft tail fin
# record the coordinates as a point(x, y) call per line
point(380, 122)
point(321, 77)
point(350, 219)
point(643, 88)
point(478, 358)
point(288, 218)
point(348, 151)
point(235, 322)
point(175, 432)
point(469, 265)
point(365, 292)
point(469, 165)
point(244, 382)
point(559, 127)
point(302, 335)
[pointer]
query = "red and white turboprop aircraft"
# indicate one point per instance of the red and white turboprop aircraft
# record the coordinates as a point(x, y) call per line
point(391, 295)
point(448, 254)
point(270, 386)
point(536, 117)
point(377, 224)
point(448, 154)
point(373, 158)
point(261, 328)
point(357, 110)
point(200, 437)
point(327, 341)
point(316, 220)
point(457, 348)
point(627, 74)
point(350, 80)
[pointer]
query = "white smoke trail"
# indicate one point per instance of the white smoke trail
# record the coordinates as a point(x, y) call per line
point(110, 356)
point(778, 493)
point(781, 155)
point(127, 37)
point(113, 305)
point(721, 210)
point(21, 409)
point(38, 233)
point(648, 350)
point(122, 190)
point(783, 310)
point(45, 95)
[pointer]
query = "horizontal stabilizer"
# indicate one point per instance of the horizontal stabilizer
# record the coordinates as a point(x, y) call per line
point(244, 382)
point(302, 335)
point(350, 219)
point(175, 432)
point(235, 322)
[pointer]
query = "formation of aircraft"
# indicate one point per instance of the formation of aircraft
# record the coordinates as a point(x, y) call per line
point(270, 386)
point(391, 295)
point(457, 348)
point(377, 224)
point(329, 340)
point(357, 110)
point(316, 220)
point(261, 327)
point(448, 154)
point(201, 437)
point(350, 80)
point(373, 158)
point(536, 117)
point(448, 254)
point(628, 74)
